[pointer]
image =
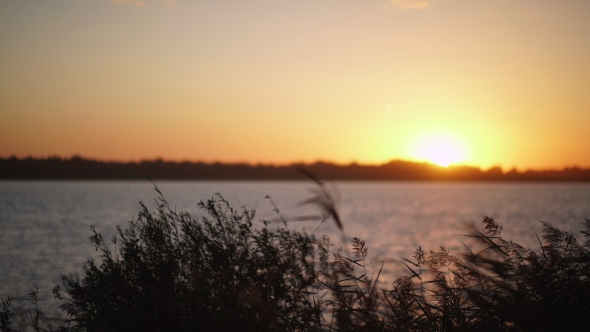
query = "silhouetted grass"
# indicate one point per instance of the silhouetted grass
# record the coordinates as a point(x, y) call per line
point(168, 271)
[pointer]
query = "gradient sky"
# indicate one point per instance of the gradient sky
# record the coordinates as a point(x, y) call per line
point(285, 81)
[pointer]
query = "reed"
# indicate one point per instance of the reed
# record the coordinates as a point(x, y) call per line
point(168, 271)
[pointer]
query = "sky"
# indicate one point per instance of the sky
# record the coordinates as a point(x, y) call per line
point(476, 82)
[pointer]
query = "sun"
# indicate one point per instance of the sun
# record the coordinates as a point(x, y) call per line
point(439, 149)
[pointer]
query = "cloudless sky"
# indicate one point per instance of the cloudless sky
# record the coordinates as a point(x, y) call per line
point(279, 81)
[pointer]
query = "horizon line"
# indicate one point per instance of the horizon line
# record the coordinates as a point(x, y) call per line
point(293, 163)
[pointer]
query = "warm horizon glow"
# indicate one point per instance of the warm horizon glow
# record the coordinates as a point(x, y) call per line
point(440, 149)
point(280, 82)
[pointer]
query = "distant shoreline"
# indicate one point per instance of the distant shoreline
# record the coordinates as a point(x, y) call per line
point(341, 181)
point(77, 168)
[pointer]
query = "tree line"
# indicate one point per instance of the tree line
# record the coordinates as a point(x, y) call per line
point(78, 168)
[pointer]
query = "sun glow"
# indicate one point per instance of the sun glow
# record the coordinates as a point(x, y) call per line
point(440, 149)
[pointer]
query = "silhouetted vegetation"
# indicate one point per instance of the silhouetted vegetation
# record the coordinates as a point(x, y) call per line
point(79, 168)
point(168, 271)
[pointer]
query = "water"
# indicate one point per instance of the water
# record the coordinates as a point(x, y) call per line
point(44, 226)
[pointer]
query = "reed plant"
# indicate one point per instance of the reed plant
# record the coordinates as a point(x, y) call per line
point(169, 271)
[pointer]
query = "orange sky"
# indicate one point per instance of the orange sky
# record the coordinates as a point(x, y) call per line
point(504, 82)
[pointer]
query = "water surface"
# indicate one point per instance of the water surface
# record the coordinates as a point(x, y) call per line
point(44, 225)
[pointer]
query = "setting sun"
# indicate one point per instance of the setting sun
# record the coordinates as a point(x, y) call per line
point(440, 149)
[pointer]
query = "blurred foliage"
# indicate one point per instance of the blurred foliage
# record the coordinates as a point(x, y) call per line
point(168, 271)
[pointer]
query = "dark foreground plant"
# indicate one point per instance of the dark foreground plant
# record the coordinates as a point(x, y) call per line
point(172, 272)
point(6, 315)
point(38, 321)
point(497, 285)
point(175, 273)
